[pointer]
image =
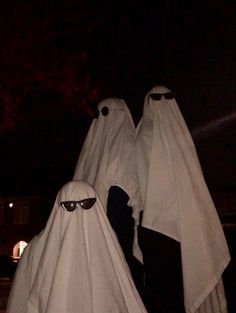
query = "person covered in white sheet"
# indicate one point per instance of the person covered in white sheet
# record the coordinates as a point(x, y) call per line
point(107, 162)
point(75, 265)
point(184, 248)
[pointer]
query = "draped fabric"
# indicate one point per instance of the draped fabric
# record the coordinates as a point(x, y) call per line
point(107, 157)
point(75, 265)
point(176, 201)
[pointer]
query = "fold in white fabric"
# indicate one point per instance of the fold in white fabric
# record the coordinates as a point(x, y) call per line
point(107, 157)
point(176, 201)
point(75, 265)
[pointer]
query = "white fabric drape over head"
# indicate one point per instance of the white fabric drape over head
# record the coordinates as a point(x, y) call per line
point(176, 201)
point(107, 157)
point(75, 265)
point(108, 153)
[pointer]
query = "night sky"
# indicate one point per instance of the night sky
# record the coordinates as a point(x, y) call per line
point(58, 59)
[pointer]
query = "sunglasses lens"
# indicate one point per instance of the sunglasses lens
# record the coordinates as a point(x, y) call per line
point(155, 96)
point(87, 203)
point(169, 95)
point(105, 111)
point(69, 205)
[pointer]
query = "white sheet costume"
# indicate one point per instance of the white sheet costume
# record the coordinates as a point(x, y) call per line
point(75, 265)
point(177, 203)
point(107, 157)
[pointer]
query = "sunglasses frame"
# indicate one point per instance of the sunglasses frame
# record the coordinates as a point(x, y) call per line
point(67, 205)
point(104, 111)
point(157, 96)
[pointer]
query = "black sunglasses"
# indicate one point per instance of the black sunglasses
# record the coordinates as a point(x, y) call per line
point(104, 111)
point(157, 96)
point(72, 205)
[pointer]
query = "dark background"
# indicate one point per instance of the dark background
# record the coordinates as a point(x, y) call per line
point(59, 58)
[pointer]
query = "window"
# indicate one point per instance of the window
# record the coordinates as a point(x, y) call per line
point(18, 249)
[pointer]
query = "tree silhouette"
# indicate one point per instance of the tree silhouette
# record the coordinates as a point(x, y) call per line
point(46, 100)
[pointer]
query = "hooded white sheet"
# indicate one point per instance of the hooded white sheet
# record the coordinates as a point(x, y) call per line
point(176, 202)
point(75, 265)
point(107, 157)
